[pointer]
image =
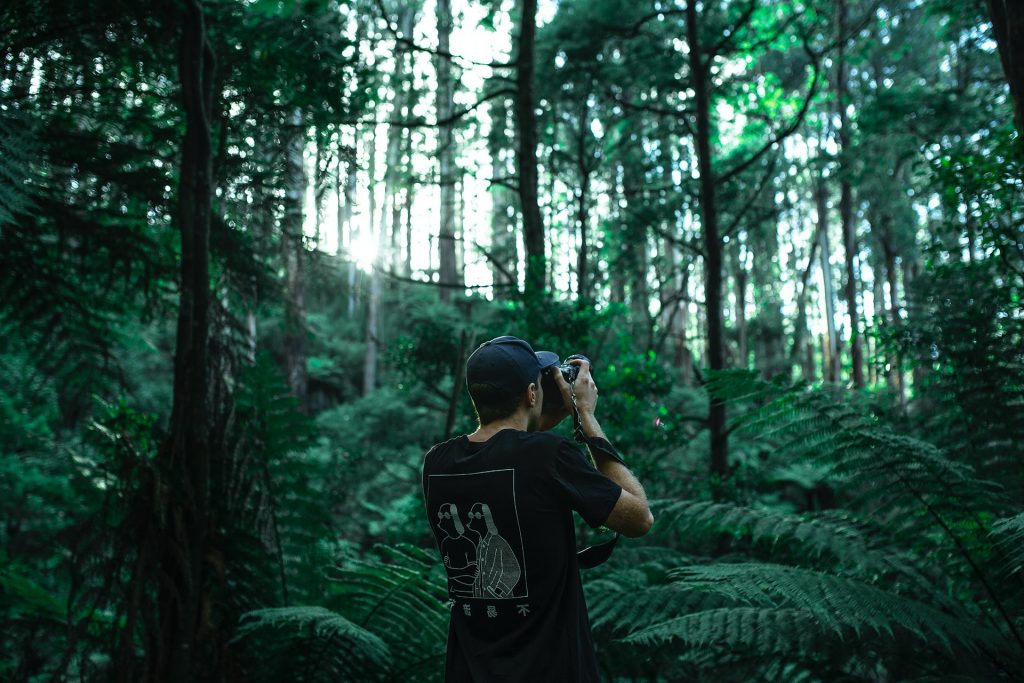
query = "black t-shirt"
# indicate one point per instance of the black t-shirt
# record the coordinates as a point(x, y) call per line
point(501, 512)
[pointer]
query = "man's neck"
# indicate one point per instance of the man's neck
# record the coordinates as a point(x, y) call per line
point(518, 421)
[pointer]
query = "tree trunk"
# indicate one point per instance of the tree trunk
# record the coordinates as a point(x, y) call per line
point(740, 302)
point(390, 216)
point(800, 326)
point(712, 242)
point(185, 454)
point(294, 257)
point(583, 294)
point(350, 230)
point(373, 304)
point(896, 367)
point(830, 350)
point(526, 152)
point(504, 252)
point(1008, 28)
point(846, 204)
point(446, 152)
point(633, 260)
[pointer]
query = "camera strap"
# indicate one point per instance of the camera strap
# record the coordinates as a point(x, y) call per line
point(595, 443)
point(597, 554)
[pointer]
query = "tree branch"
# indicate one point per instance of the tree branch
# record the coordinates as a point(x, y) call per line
point(419, 48)
point(788, 130)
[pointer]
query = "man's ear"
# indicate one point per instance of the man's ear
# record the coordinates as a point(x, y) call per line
point(531, 395)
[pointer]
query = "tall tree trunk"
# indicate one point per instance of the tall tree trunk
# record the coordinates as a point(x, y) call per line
point(185, 454)
point(634, 261)
point(740, 302)
point(373, 304)
point(830, 349)
point(391, 209)
point(347, 230)
point(800, 326)
point(504, 250)
point(319, 189)
point(846, 203)
point(526, 151)
point(896, 363)
point(584, 170)
point(712, 242)
point(446, 152)
point(339, 207)
point(294, 257)
point(1008, 28)
point(407, 222)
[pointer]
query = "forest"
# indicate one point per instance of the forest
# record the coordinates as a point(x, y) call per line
point(246, 247)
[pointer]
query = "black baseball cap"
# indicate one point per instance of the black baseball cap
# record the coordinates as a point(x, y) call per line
point(507, 363)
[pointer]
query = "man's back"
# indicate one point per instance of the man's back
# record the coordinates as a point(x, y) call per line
point(501, 512)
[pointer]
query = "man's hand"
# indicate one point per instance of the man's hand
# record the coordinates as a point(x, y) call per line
point(586, 397)
point(631, 515)
point(584, 387)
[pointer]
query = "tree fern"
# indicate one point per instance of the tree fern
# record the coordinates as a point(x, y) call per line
point(927, 496)
point(273, 516)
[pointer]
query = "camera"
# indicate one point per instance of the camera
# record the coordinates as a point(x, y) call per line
point(552, 396)
point(570, 371)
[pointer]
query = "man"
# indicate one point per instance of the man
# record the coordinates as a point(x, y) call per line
point(525, 618)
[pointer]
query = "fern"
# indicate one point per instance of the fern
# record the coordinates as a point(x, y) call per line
point(760, 630)
point(1009, 535)
point(927, 494)
point(18, 150)
point(310, 644)
point(401, 597)
point(817, 536)
point(836, 603)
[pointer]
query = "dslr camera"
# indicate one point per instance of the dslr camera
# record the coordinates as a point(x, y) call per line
point(570, 371)
point(552, 395)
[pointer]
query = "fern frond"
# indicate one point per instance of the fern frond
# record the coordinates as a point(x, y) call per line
point(1009, 535)
point(402, 597)
point(838, 604)
point(822, 539)
point(314, 644)
point(763, 630)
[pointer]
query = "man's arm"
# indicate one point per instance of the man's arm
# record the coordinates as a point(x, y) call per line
point(631, 515)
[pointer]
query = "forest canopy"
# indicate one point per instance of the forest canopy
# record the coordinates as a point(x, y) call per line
point(246, 247)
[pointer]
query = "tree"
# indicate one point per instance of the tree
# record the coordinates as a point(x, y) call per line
point(526, 150)
point(1008, 28)
point(449, 275)
point(185, 455)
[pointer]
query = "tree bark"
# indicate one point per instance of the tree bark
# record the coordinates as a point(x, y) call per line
point(373, 304)
point(446, 152)
point(740, 302)
point(846, 204)
point(504, 250)
point(712, 242)
point(1008, 28)
point(294, 257)
point(526, 151)
point(185, 455)
point(351, 231)
point(830, 363)
point(896, 367)
point(583, 294)
point(800, 326)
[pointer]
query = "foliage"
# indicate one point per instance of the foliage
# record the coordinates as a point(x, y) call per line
point(871, 534)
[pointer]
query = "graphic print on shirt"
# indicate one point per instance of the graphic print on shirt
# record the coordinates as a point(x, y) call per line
point(482, 551)
point(458, 550)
